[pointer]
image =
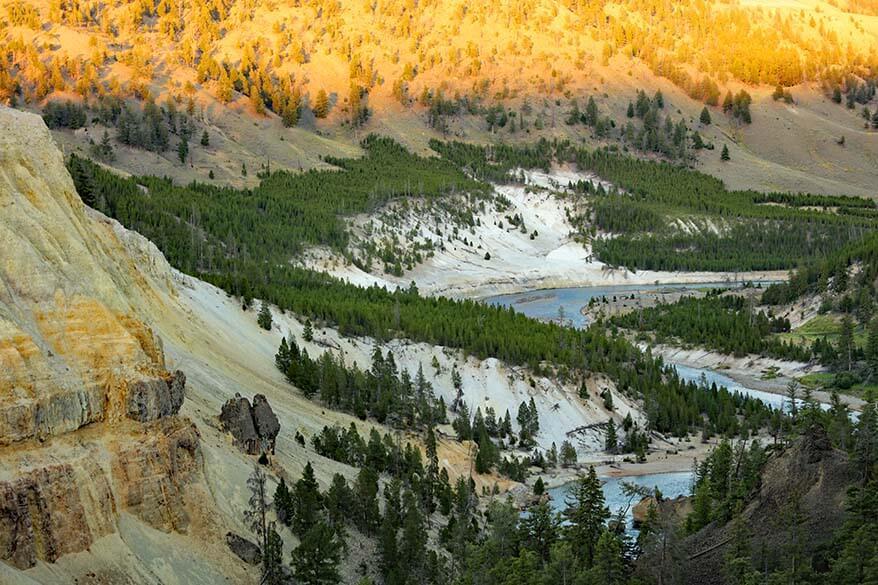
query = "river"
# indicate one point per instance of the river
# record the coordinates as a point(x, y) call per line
point(671, 485)
point(568, 302)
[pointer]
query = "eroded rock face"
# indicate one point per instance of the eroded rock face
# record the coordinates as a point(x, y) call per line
point(156, 398)
point(87, 407)
point(54, 510)
point(151, 475)
point(267, 425)
point(254, 428)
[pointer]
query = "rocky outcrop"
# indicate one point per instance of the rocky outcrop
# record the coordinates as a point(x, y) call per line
point(156, 398)
point(809, 476)
point(254, 428)
point(245, 550)
point(152, 476)
point(45, 514)
point(88, 411)
point(676, 509)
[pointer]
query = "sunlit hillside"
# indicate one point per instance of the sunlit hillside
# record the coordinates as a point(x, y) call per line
point(285, 53)
point(240, 84)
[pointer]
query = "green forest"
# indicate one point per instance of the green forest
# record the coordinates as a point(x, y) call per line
point(724, 323)
point(729, 230)
point(440, 532)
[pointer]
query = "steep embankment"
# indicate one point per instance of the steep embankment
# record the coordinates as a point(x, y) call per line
point(797, 509)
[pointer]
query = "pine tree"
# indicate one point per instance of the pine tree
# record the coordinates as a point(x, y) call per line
point(307, 502)
point(315, 561)
point(725, 153)
point(205, 139)
point(321, 104)
point(568, 454)
point(264, 318)
point(308, 331)
point(728, 102)
point(609, 560)
point(585, 515)
point(659, 100)
point(224, 88)
point(540, 530)
point(283, 503)
point(846, 345)
point(591, 112)
point(872, 348)
point(705, 116)
point(539, 487)
point(339, 500)
point(611, 442)
point(256, 517)
point(413, 542)
point(366, 500)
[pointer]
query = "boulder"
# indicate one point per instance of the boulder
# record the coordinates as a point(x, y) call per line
point(254, 428)
point(267, 425)
point(244, 549)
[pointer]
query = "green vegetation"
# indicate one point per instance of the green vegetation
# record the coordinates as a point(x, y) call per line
point(242, 241)
point(729, 230)
point(724, 323)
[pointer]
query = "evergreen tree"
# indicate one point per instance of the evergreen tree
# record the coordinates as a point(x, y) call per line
point(872, 348)
point(585, 515)
point(705, 116)
point(205, 139)
point(272, 558)
point(315, 561)
point(609, 560)
point(611, 442)
point(283, 503)
point(568, 454)
point(183, 150)
point(264, 318)
point(366, 500)
point(321, 104)
point(846, 347)
point(659, 100)
point(339, 500)
point(256, 518)
point(540, 530)
point(308, 331)
point(307, 500)
point(725, 153)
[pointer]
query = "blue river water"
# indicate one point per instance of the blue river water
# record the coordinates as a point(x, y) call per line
point(548, 304)
point(670, 485)
point(567, 303)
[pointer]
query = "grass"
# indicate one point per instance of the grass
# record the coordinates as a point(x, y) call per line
point(825, 380)
point(828, 326)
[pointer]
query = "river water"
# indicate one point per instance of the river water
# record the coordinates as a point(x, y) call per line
point(548, 304)
point(670, 485)
point(567, 304)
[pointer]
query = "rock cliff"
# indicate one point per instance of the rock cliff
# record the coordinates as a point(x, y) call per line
point(89, 425)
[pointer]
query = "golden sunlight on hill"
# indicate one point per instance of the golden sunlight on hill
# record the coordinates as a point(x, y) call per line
point(333, 56)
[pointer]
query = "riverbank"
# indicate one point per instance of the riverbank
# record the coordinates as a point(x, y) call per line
point(752, 371)
point(668, 456)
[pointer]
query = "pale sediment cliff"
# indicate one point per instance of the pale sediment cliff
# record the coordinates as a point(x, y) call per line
point(88, 410)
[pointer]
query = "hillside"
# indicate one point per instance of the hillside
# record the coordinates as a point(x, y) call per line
point(250, 73)
point(93, 321)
